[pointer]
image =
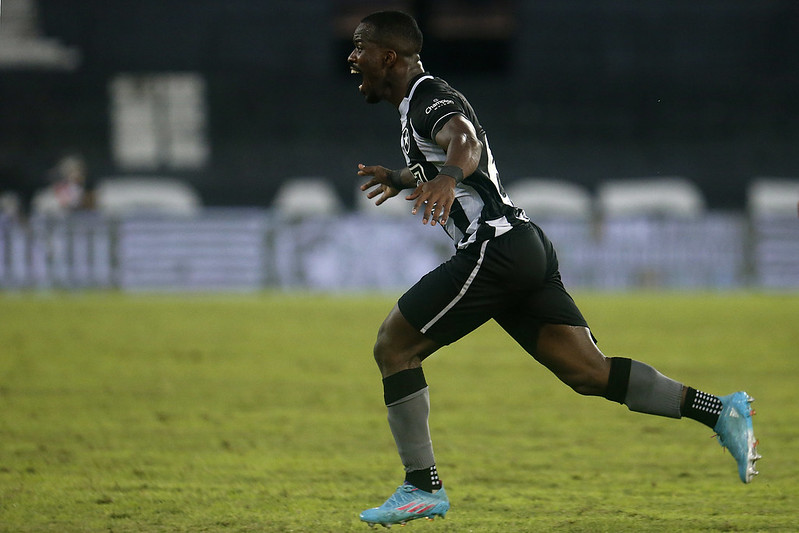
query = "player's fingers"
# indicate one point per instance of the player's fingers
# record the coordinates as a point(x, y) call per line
point(364, 170)
point(442, 209)
point(420, 202)
point(429, 207)
point(445, 214)
point(435, 213)
point(416, 195)
point(369, 184)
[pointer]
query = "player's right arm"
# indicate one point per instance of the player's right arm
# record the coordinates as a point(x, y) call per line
point(386, 181)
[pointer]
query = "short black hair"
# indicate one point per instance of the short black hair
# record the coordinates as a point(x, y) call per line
point(395, 30)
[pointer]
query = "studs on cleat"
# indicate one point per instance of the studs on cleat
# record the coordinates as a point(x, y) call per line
point(373, 525)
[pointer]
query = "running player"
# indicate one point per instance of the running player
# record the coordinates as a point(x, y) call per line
point(504, 268)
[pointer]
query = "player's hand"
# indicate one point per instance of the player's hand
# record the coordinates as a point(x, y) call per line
point(437, 197)
point(380, 183)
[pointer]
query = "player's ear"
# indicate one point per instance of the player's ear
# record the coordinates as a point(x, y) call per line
point(389, 58)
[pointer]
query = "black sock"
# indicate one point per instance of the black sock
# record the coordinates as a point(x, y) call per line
point(702, 407)
point(425, 479)
point(619, 379)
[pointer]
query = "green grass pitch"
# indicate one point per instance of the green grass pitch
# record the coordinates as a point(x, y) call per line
point(264, 413)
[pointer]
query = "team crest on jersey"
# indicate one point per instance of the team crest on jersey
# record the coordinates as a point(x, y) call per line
point(406, 140)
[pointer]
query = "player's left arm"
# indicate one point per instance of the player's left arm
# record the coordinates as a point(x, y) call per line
point(459, 141)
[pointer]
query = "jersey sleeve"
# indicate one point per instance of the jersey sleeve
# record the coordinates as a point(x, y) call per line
point(433, 109)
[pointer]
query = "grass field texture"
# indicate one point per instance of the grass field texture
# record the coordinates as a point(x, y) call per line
point(264, 413)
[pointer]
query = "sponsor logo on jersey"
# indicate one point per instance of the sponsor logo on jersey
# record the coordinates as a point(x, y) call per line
point(436, 104)
point(406, 140)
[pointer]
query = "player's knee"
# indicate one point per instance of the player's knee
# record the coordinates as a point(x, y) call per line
point(381, 352)
point(400, 346)
point(395, 351)
point(386, 354)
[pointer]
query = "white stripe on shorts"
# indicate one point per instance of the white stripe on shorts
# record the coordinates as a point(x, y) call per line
point(463, 289)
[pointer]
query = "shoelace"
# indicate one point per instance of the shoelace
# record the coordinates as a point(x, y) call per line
point(395, 500)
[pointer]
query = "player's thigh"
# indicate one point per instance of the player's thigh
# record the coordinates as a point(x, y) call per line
point(452, 300)
point(550, 327)
point(567, 351)
point(548, 304)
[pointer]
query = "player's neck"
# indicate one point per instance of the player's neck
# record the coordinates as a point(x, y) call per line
point(411, 71)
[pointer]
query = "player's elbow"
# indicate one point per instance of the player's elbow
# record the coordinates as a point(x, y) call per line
point(473, 147)
point(472, 150)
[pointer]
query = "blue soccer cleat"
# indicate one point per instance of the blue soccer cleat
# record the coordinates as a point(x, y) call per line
point(406, 504)
point(735, 432)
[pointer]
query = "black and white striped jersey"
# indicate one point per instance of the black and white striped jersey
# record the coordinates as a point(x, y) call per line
point(481, 210)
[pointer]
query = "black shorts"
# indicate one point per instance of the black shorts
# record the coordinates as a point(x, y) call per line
point(513, 279)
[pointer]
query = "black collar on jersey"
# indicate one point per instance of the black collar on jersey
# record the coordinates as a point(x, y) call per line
point(412, 82)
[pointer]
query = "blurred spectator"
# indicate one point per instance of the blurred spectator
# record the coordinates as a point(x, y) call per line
point(9, 205)
point(68, 180)
point(67, 190)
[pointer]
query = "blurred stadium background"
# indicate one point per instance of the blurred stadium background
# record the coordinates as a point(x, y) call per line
point(206, 145)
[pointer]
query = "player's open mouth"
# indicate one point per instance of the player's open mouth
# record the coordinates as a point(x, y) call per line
point(355, 70)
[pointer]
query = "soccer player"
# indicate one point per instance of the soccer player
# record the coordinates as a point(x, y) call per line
point(504, 268)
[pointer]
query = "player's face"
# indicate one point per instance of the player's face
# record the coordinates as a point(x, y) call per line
point(367, 59)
